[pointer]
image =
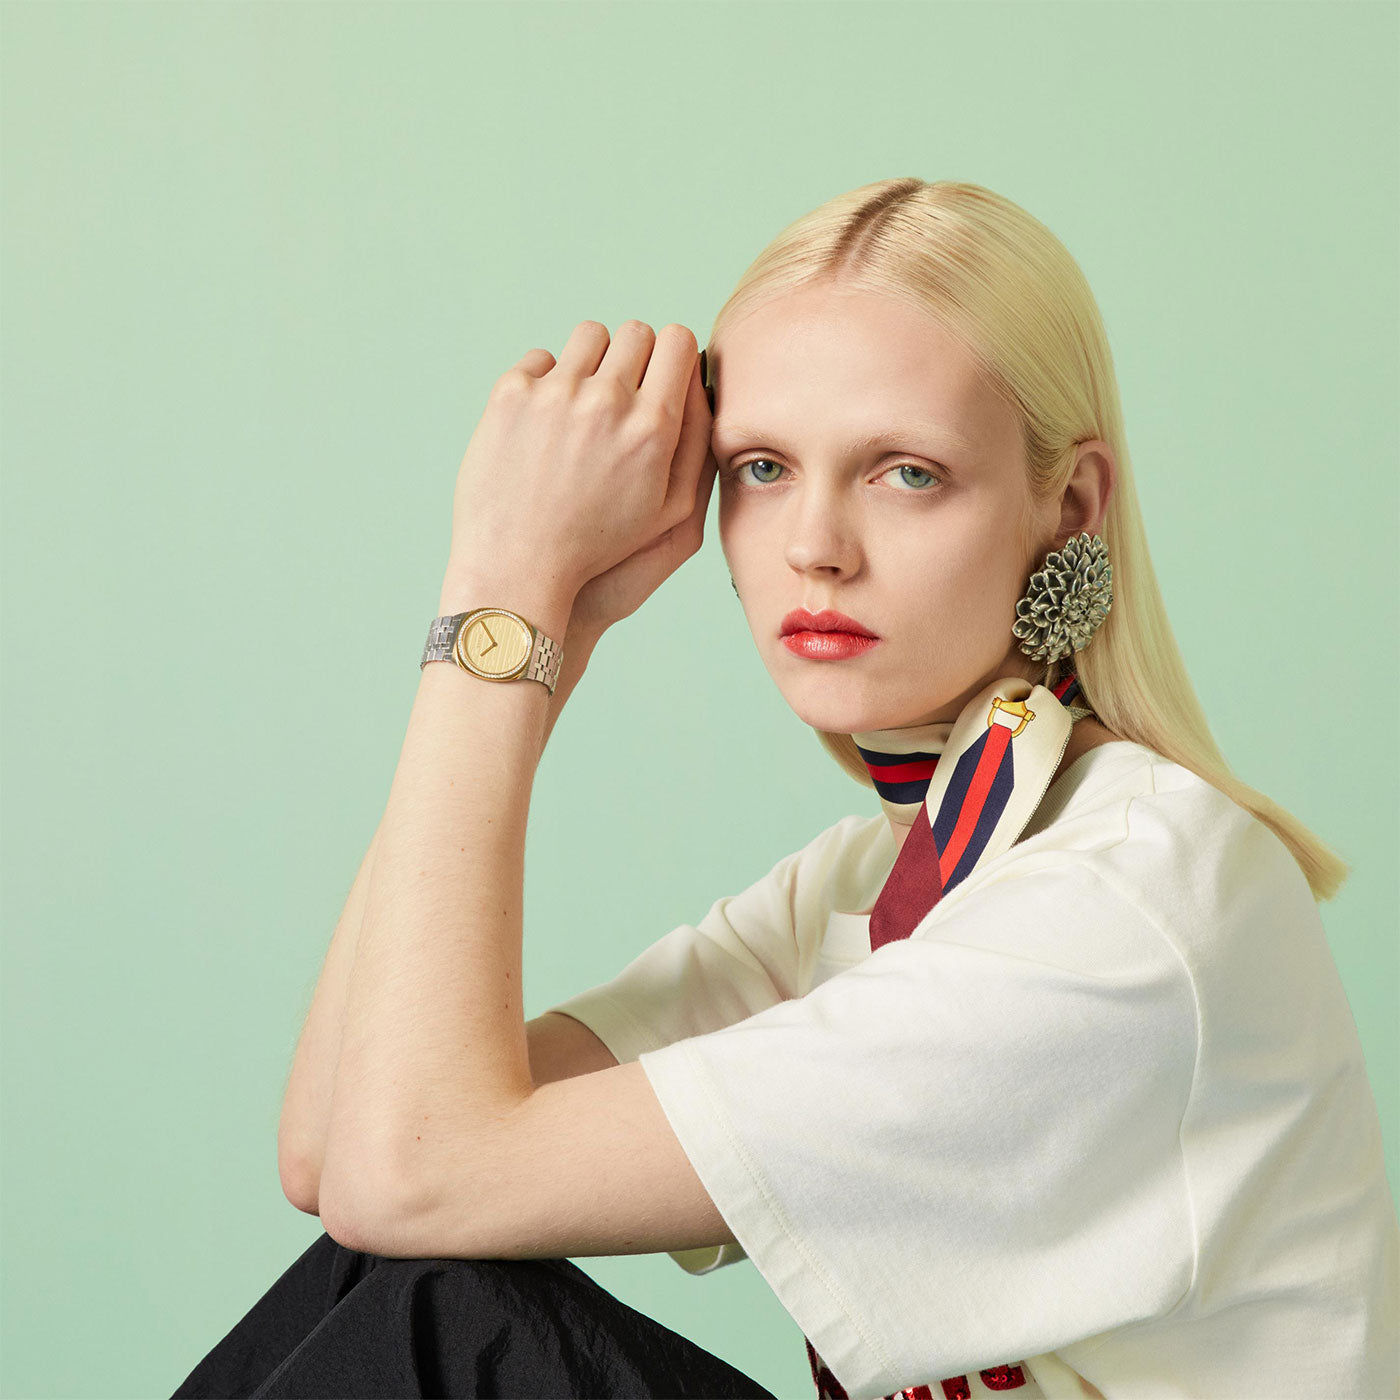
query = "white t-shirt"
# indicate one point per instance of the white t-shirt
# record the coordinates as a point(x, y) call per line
point(1104, 1114)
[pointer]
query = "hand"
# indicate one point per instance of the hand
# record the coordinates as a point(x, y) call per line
point(618, 592)
point(593, 471)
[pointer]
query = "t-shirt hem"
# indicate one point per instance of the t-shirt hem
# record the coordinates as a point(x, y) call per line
point(613, 1022)
point(792, 1269)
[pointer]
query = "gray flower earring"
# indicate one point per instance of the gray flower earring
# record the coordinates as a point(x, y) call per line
point(1067, 599)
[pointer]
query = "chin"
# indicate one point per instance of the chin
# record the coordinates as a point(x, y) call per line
point(827, 708)
point(836, 697)
point(832, 716)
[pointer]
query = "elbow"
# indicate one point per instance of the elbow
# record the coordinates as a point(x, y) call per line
point(354, 1229)
point(301, 1181)
point(372, 1209)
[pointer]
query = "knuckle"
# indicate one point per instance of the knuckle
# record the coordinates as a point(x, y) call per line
point(683, 529)
point(655, 419)
point(514, 381)
point(603, 395)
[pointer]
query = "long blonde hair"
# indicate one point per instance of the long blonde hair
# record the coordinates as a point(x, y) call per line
point(1000, 281)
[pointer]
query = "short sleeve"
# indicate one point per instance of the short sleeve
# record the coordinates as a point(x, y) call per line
point(963, 1150)
point(741, 958)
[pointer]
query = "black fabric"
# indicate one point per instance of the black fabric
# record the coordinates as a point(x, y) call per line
point(342, 1323)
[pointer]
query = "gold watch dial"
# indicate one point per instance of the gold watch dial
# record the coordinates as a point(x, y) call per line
point(495, 643)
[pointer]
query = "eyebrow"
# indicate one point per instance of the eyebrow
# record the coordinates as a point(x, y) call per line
point(886, 437)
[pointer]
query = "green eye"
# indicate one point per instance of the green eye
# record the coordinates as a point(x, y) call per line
point(910, 467)
point(765, 461)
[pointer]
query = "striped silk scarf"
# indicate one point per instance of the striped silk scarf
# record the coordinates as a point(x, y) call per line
point(965, 788)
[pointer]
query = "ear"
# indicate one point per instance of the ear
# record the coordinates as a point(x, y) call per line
point(1084, 502)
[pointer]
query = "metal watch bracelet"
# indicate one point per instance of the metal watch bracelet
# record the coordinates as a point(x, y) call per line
point(546, 655)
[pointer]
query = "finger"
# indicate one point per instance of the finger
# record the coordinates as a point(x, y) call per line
point(535, 363)
point(627, 357)
point(687, 537)
point(688, 463)
point(706, 488)
point(673, 363)
point(675, 545)
point(584, 349)
point(693, 511)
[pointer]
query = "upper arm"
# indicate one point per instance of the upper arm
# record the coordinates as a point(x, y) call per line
point(585, 1165)
point(561, 1047)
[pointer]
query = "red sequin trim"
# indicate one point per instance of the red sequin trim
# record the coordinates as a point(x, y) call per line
point(1007, 1377)
point(828, 1387)
point(1004, 1378)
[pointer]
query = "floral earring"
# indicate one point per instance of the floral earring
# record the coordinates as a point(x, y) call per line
point(1067, 599)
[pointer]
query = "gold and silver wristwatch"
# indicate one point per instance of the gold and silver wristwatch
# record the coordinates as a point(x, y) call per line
point(495, 644)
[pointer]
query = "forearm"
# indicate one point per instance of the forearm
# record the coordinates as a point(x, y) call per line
point(434, 1043)
point(306, 1105)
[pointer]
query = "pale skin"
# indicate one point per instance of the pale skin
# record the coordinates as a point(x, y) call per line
point(456, 1130)
point(926, 559)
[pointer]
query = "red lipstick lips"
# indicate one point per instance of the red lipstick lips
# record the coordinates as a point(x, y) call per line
point(800, 620)
point(825, 636)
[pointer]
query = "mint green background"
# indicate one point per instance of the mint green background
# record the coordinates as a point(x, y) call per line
point(261, 264)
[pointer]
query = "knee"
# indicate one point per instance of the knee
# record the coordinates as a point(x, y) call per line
point(500, 1277)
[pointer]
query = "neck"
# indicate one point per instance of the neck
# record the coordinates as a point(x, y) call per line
point(901, 761)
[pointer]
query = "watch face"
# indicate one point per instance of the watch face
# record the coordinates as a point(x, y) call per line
point(495, 644)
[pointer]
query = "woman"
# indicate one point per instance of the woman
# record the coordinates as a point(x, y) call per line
point(1040, 1080)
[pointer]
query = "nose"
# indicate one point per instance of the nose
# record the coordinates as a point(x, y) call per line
point(822, 535)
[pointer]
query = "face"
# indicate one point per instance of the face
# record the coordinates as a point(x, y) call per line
point(926, 538)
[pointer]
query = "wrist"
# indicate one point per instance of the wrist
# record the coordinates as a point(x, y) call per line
point(544, 602)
